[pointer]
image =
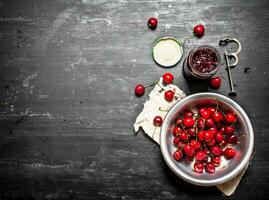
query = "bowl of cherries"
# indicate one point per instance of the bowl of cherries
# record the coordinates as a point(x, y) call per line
point(207, 139)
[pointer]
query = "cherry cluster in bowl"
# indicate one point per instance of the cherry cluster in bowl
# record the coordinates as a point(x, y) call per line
point(204, 135)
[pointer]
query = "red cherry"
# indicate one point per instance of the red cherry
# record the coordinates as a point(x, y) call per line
point(179, 121)
point(210, 168)
point(183, 136)
point(209, 123)
point(206, 151)
point(211, 110)
point(216, 151)
point(152, 23)
point(178, 155)
point(200, 155)
point(195, 144)
point(200, 110)
point(215, 82)
point(157, 121)
point(229, 130)
point(199, 30)
point(233, 139)
point(220, 126)
point(211, 143)
point(222, 130)
point(217, 116)
point(188, 150)
point(208, 135)
point(191, 132)
point(229, 153)
point(214, 130)
point(188, 113)
point(198, 167)
point(223, 143)
point(139, 90)
point(200, 136)
point(168, 78)
point(169, 95)
point(205, 114)
point(181, 144)
point(219, 137)
point(176, 131)
point(230, 118)
point(200, 123)
point(216, 161)
point(176, 140)
point(188, 122)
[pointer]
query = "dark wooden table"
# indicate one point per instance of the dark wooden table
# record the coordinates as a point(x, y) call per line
point(67, 73)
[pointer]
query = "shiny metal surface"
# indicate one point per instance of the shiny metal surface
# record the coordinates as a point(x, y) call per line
point(229, 168)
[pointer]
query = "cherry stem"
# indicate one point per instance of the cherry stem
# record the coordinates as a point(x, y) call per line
point(160, 86)
point(136, 23)
point(146, 86)
point(233, 123)
point(187, 38)
point(154, 132)
point(160, 109)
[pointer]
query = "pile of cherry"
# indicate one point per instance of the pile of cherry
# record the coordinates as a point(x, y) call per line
point(205, 135)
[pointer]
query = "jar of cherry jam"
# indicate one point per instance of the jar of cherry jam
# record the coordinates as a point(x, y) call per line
point(202, 62)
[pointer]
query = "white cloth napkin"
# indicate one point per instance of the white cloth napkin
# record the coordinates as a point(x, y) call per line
point(157, 105)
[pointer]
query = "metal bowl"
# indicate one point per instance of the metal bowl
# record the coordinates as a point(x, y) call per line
point(229, 168)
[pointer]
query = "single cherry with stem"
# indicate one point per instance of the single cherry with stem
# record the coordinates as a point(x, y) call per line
point(205, 114)
point(169, 95)
point(215, 82)
point(178, 155)
point(209, 123)
point(200, 155)
point(199, 30)
point(216, 161)
point(140, 89)
point(215, 150)
point(152, 23)
point(157, 122)
point(230, 118)
point(188, 122)
point(177, 130)
point(168, 78)
point(198, 167)
point(188, 113)
point(188, 150)
point(229, 153)
point(210, 168)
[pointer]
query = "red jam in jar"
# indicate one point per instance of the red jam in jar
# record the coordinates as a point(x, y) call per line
point(202, 62)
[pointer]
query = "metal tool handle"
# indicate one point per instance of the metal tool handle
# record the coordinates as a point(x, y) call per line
point(231, 55)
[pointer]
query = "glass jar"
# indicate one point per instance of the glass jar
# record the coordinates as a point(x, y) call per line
point(202, 62)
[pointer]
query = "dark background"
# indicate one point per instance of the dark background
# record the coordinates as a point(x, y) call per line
point(67, 73)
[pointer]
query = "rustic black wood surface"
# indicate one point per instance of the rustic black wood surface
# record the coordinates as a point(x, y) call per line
point(67, 73)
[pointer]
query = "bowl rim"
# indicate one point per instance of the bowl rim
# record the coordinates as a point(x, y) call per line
point(168, 159)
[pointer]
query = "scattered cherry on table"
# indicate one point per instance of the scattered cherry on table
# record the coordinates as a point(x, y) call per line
point(139, 90)
point(152, 23)
point(215, 82)
point(157, 121)
point(199, 30)
point(169, 95)
point(168, 78)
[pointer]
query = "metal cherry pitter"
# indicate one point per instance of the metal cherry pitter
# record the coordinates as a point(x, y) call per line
point(229, 56)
